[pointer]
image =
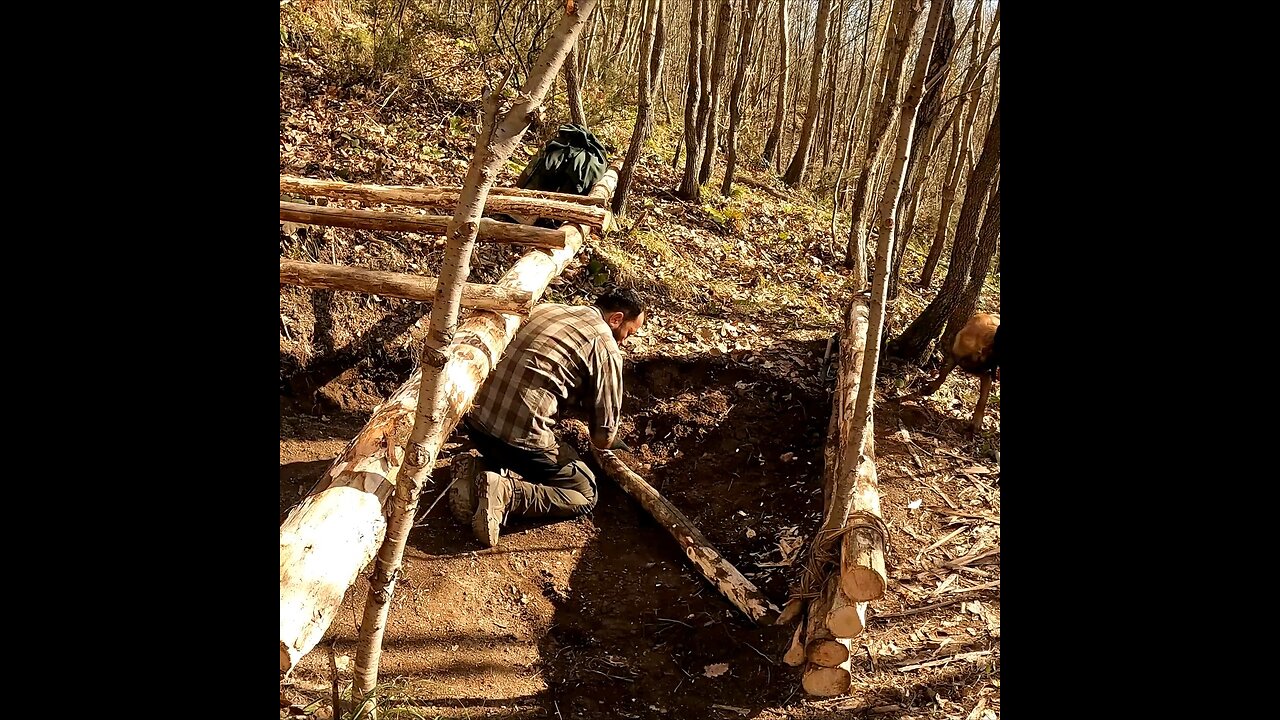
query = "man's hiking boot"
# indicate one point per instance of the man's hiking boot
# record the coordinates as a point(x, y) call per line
point(493, 499)
point(462, 499)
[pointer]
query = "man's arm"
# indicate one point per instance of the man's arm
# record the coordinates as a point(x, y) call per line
point(606, 410)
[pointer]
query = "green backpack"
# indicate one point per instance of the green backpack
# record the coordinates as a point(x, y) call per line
point(571, 162)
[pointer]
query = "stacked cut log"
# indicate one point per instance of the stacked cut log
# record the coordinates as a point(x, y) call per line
point(334, 532)
point(823, 641)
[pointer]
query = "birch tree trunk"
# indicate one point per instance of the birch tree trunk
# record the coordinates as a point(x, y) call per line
point(497, 140)
point(644, 107)
point(735, 94)
point(800, 160)
point(784, 79)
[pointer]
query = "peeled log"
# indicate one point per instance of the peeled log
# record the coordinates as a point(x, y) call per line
point(518, 204)
point(823, 648)
point(847, 618)
point(862, 571)
point(719, 572)
point(489, 230)
point(401, 285)
point(827, 681)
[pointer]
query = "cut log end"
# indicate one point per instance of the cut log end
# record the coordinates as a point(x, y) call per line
point(847, 621)
point(827, 681)
point(828, 653)
point(862, 584)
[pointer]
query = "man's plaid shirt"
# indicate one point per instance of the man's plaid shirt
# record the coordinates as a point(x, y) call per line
point(561, 352)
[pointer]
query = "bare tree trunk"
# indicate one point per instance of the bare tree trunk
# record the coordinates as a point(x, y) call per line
point(689, 189)
point(658, 55)
point(905, 14)
point(913, 343)
point(571, 87)
point(851, 138)
point(988, 237)
point(494, 145)
point(784, 79)
point(724, 20)
point(800, 160)
point(930, 104)
point(735, 94)
point(652, 9)
point(624, 24)
point(959, 166)
point(946, 198)
point(829, 105)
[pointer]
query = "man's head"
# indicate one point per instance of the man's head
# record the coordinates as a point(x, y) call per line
point(622, 310)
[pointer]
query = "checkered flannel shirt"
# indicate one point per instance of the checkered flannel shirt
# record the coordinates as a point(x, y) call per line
point(560, 353)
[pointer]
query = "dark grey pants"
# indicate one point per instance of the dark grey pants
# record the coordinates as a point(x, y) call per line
point(556, 483)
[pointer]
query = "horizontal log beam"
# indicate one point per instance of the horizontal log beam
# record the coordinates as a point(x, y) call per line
point(453, 191)
point(520, 204)
point(401, 285)
point(489, 231)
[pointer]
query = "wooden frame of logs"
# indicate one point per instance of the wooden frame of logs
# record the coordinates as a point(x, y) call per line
point(334, 532)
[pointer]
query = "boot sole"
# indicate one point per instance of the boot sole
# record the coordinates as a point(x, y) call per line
point(487, 521)
point(462, 501)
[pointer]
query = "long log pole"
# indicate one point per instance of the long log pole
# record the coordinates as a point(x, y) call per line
point(489, 231)
point(402, 285)
point(327, 539)
point(574, 211)
point(719, 572)
point(449, 194)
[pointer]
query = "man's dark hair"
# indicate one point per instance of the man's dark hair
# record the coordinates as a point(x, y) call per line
point(624, 300)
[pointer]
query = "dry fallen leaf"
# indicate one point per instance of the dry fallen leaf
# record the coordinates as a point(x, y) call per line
point(716, 670)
